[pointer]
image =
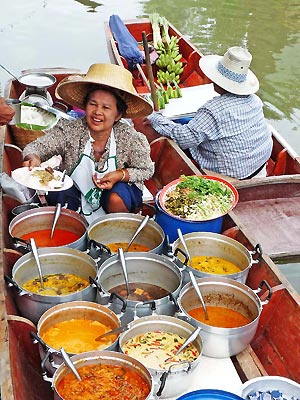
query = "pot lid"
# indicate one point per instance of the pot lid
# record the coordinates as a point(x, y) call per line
point(54, 110)
point(210, 394)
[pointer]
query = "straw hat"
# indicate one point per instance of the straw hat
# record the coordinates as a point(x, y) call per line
point(75, 88)
point(231, 71)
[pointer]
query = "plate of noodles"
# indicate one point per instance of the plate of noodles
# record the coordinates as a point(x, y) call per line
point(44, 179)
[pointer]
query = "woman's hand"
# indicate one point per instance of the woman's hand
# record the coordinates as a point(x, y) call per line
point(6, 112)
point(109, 179)
point(31, 161)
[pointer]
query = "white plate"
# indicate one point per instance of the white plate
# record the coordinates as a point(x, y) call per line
point(25, 177)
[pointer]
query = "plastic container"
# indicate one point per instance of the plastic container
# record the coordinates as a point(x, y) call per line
point(209, 394)
point(287, 387)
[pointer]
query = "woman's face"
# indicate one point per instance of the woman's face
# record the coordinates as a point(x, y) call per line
point(101, 112)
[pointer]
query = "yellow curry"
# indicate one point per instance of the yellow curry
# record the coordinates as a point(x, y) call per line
point(214, 265)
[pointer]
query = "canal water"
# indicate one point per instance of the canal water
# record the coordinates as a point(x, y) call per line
point(70, 33)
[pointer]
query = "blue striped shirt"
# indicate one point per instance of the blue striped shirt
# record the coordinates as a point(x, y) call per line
point(228, 134)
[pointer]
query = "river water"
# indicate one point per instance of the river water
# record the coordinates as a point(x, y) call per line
point(70, 33)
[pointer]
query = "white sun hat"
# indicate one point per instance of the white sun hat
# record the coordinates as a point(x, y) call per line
point(231, 71)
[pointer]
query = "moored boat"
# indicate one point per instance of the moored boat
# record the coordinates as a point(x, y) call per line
point(269, 352)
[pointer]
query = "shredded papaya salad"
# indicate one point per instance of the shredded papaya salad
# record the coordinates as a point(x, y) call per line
point(197, 198)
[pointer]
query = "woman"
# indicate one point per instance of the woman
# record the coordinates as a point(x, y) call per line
point(106, 158)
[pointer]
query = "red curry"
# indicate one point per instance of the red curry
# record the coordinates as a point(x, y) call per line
point(60, 237)
point(105, 382)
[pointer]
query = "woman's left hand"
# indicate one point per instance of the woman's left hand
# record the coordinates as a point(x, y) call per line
point(108, 180)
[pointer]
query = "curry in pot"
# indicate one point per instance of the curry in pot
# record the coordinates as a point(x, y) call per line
point(133, 247)
point(157, 349)
point(220, 317)
point(60, 237)
point(57, 284)
point(103, 382)
point(140, 291)
point(78, 335)
point(214, 265)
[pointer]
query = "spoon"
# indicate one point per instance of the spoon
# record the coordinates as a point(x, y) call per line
point(184, 245)
point(69, 363)
point(37, 260)
point(197, 290)
point(122, 259)
point(55, 218)
point(188, 340)
point(10, 73)
point(112, 332)
point(139, 228)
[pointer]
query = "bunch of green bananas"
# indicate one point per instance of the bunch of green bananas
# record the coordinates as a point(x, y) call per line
point(169, 64)
point(164, 96)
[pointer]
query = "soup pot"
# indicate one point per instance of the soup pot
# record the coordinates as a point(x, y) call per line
point(100, 357)
point(214, 245)
point(148, 268)
point(224, 292)
point(42, 218)
point(53, 260)
point(175, 380)
point(82, 310)
point(120, 227)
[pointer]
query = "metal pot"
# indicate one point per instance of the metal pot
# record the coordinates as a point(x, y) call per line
point(101, 357)
point(65, 312)
point(141, 267)
point(214, 245)
point(120, 227)
point(224, 292)
point(42, 218)
point(53, 260)
point(177, 379)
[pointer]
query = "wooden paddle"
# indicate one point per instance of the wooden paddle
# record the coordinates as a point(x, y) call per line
point(150, 72)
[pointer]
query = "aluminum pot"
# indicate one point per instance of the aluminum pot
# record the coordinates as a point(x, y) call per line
point(120, 227)
point(214, 245)
point(177, 379)
point(100, 357)
point(224, 292)
point(41, 218)
point(67, 311)
point(141, 267)
point(53, 260)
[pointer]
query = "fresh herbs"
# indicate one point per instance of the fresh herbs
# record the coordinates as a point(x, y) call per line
point(197, 198)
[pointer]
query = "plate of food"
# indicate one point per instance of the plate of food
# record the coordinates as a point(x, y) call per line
point(45, 179)
point(198, 198)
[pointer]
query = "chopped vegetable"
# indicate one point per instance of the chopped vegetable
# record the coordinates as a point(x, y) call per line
point(197, 198)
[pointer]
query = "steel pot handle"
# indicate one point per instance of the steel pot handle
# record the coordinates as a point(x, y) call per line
point(48, 356)
point(178, 250)
point(10, 282)
point(36, 339)
point(98, 250)
point(18, 242)
point(257, 250)
point(124, 302)
point(164, 376)
point(258, 290)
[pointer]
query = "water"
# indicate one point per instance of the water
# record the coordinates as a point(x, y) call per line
point(70, 33)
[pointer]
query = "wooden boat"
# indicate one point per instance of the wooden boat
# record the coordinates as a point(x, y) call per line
point(275, 348)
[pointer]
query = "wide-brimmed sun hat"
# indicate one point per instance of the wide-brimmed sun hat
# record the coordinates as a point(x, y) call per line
point(74, 89)
point(231, 71)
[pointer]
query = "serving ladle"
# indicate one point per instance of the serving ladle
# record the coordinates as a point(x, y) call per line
point(188, 340)
point(180, 235)
point(124, 269)
point(69, 363)
point(197, 290)
point(37, 261)
point(55, 218)
point(139, 228)
point(43, 290)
